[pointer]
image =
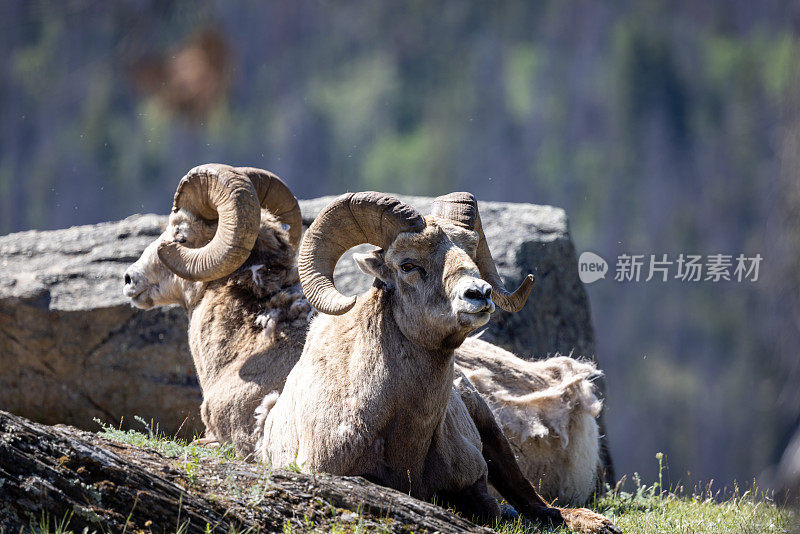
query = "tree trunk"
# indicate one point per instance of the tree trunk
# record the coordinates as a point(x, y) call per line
point(58, 473)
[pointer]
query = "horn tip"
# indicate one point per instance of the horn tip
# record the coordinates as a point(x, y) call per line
point(515, 301)
point(338, 307)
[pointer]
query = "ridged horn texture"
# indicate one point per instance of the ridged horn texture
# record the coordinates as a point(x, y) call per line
point(350, 220)
point(462, 209)
point(215, 192)
point(275, 196)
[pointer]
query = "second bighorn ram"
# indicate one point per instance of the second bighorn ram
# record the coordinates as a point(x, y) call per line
point(373, 393)
point(227, 257)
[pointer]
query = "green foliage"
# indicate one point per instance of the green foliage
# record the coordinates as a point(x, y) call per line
point(172, 447)
point(404, 163)
point(48, 525)
point(356, 99)
point(294, 467)
point(763, 61)
point(522, 68)
point(35, 65)
point(656, 509)
point(649, 511)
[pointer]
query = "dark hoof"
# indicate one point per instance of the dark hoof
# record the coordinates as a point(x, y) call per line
point(507, 513)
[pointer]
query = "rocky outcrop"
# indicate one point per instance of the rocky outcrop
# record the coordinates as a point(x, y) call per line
point(73, 349)
point(64, 476)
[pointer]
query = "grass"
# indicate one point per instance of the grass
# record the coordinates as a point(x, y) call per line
point(46, 525)
point(169, 446)
point(670, 513)
point(657, 510)
point(652, 513)
point(51, 526)
point(646, 509)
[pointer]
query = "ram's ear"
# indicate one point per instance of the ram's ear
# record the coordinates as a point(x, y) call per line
point(374, 264)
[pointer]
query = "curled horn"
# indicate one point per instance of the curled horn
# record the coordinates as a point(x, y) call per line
point(215, 192)
point(350, 220)
point(462, 209)
point(274, 195)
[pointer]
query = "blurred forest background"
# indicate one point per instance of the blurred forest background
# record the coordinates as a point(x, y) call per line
point(661, 127)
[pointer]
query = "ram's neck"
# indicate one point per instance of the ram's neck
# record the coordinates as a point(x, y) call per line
point(437, 361)
point(374, 346)
point(233, 331)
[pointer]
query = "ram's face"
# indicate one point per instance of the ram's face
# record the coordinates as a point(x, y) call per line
point(148, 282)
point(440, 295)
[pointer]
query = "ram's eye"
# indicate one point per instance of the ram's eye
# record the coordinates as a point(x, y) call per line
point(407, 266)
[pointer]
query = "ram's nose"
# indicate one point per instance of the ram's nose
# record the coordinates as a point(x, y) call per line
point(133, 285)
point(478, 293)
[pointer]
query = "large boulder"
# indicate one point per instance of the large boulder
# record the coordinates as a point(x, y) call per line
point(73, 349)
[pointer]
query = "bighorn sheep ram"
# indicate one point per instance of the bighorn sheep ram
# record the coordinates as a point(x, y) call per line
point(227, 256)
point(373, 393)
point(248, 321)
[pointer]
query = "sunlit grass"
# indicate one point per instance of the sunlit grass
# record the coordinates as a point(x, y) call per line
point(671, 514)
point(646, 509)
point(170, 446)
point(653, 510)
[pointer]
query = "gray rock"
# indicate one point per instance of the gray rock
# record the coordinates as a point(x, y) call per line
point(73, 349)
